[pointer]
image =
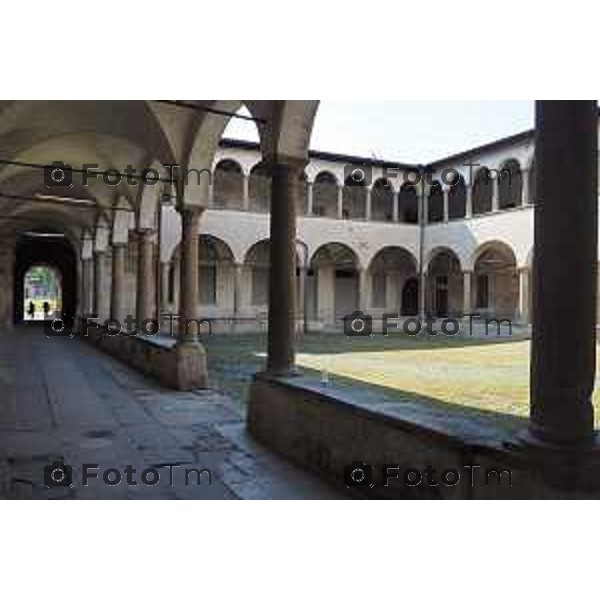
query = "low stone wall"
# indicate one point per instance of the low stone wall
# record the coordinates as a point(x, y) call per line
point(181, 367)
point(325, 430)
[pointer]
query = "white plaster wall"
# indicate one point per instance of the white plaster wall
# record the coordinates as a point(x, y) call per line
point(513, 227)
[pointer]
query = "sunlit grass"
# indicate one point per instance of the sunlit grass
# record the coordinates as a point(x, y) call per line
point(470, 374)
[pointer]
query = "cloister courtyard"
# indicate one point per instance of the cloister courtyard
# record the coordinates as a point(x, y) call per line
point(285, 239)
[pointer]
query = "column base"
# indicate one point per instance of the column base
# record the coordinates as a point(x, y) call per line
point(566, 466)
point(280, 372)
point(189, 370)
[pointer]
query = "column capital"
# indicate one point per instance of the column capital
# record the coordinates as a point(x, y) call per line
point(192, 209)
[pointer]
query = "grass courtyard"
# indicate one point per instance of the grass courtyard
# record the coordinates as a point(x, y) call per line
point(485, 376)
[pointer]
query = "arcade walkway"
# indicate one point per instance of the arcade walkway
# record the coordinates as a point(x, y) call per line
point(62, 399)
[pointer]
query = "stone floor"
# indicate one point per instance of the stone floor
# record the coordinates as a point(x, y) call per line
point(61, 399)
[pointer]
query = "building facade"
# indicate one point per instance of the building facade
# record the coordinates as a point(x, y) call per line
point(360, 246)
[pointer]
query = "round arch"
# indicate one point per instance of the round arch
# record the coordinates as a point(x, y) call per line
point(228, 185)
point(390, 270)
point(408, 204)
point(50, 248)
point(435, 203)
point(354, 199)
point(496, 280)
point(333, 283)
point(482, 191)
point(444, 283)
point(325, 195)
point(382, 200)
point(510, 184)
point(457, 200)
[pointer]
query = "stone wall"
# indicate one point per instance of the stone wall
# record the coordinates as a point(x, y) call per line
point(325, 430)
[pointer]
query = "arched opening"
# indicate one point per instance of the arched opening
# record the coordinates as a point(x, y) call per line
point(482, 192)
point(256, 268)
point(496, 281)
point(259, 189)
point(354, 200)
point(457, 200)
point(444, 291)
point(389, 270)
point(435, 208)
point(257, 262)
point(336, 284)
point(228, 187)
point(510, 185)
point(43, 251)
point(410, 297)
point(382, 201)
point(325, 195)
point(408, 204)
point(215, 277)
point(42, 292)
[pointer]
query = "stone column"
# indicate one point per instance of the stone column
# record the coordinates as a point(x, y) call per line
point(340, 202)
point(177, 287)
point(524, 295)
point(364, 296)
point(325, 289)
point(188, 371)
point(495, 192)
point(164, 285)
point(238, 289)
point(467, 292)
point(246, 192)
point(117, 290)
point(301, 313)
point(368, 204)
point(469, 203)
point(525, 187)
point(446, 190)
point(144, 301)
point(189, 298)
point(563, 348)
point(395, 217)
point(99, 284)
point(87, 277)
point(282, 277)
point(309, 199)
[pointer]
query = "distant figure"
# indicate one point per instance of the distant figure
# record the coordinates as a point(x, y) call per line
point(46, 309)
point(31, 310)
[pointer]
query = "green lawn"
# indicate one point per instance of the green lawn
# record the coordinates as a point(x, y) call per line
point(479, 376)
